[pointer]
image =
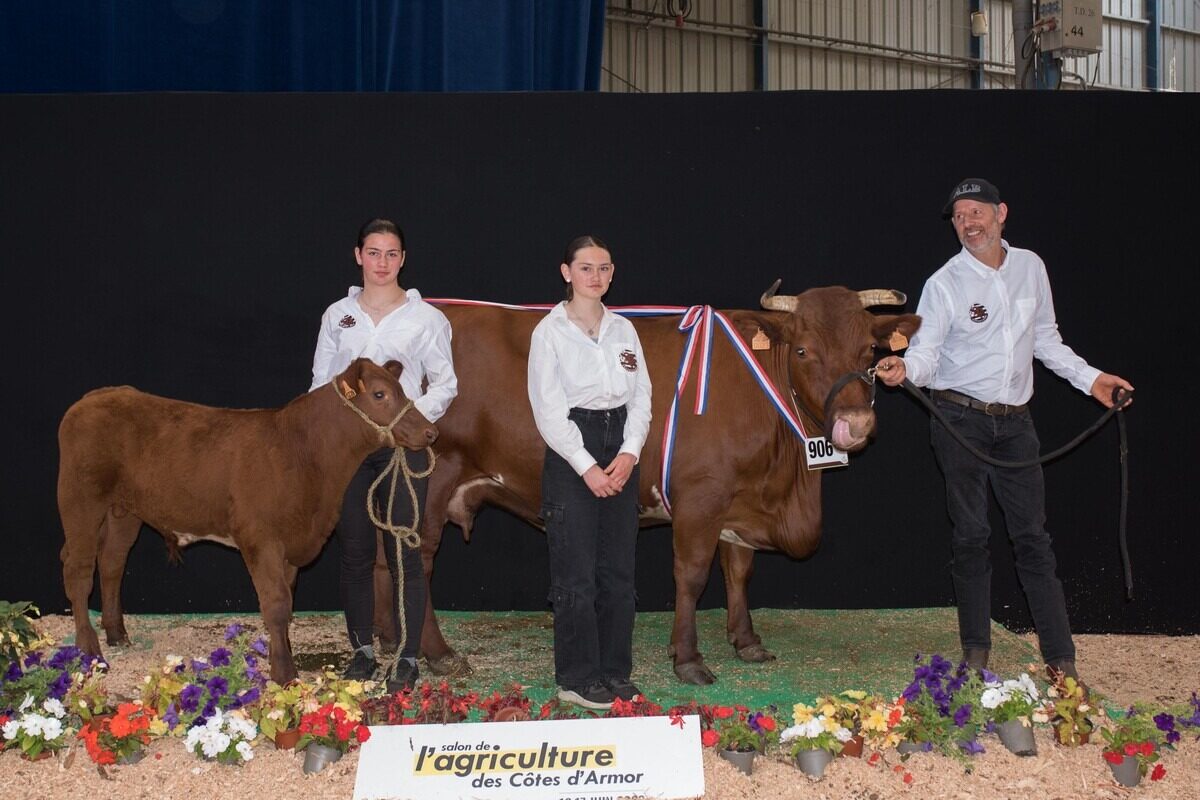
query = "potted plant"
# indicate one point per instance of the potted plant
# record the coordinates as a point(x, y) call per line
point(17, 633)
point(813, 740)
point(1131, 747)
point(1011, 704)
point(187, 692)
point(278, 712)
point(120, 737)
point(327, 734)
point(1068, 711)
point(224, 737)
point(880, 721)
point(942, 709)
point(848, 709)
point(38, 731)
point(512, 706)
point(741, 735)
point(52, 676)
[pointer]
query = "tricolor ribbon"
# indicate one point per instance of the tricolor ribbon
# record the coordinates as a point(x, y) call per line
point(697, 323)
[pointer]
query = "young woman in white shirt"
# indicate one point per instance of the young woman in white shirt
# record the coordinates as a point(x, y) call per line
point(590, 393)
point(382, 321)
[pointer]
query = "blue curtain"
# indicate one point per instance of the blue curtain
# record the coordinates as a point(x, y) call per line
point(314, 45)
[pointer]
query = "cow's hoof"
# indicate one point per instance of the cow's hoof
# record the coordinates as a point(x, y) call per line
point(451, 665)
point(87, 641)
point(695, 673)
point(755, 653)
point(120, 639)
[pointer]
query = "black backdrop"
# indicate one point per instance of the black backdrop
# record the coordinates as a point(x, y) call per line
point(187, 244)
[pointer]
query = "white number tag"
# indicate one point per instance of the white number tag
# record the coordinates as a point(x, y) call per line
point(821, 454)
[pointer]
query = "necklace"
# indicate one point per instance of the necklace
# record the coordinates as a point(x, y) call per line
point(592, 329)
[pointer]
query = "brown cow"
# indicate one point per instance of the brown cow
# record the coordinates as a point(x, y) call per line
point(739, 476)
point(267, 482)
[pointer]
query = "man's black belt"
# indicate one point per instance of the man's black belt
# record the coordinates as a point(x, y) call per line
point(991, 409)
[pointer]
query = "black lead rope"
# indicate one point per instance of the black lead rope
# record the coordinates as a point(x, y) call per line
point(1120, 397)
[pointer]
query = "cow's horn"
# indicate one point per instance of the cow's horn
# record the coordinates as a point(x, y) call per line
point(882, 297)
point(771, 302)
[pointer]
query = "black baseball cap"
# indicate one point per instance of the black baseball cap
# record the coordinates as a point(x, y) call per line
point(971, 189)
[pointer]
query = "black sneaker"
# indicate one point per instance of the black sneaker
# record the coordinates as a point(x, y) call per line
point(361, 667)
point(405, 677)
point(622, 688)
point(595, 696)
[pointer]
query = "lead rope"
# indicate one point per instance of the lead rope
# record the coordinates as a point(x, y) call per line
point(1121, 398)
point(404, 535)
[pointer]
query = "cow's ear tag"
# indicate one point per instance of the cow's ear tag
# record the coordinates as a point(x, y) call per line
point(898, 341)
point(362, 387)
point(347, 391)
point(760, 341)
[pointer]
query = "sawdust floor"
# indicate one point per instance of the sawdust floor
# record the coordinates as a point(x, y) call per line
point(1123, 668)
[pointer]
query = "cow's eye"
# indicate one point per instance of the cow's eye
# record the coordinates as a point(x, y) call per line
point(380, 395)
point(802, 352)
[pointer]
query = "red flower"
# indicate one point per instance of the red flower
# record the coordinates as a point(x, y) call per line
point(1113, 758)
point(908, 778)
point(722, 712)
point(874, 759)
point(1131, 749)
point(709, 738)
point(1146, 748)
point(1158, 772)
point(766, 723)
point(677, 719)
point(362, 733)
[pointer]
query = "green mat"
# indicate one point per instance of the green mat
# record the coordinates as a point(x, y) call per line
point(819, 652)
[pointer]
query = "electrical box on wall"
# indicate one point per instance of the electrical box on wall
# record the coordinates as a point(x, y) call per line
point(1071, 27)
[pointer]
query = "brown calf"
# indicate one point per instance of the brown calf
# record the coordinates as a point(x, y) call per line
point(267, 482)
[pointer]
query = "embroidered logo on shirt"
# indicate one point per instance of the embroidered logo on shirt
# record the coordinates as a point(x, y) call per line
point(978, 313)
point(628, 360)
point(347, 322)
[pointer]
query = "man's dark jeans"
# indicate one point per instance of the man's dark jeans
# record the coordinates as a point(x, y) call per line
point(592, 542)
point(1021, 495)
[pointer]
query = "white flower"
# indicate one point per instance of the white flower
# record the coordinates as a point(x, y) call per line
point(1030, 688)
point(214, 744)
point(793, 732)
point(991, 698)
point(54, 706)
point(26, 703)
point(52, 728)
point(842, 734)
point(814, 727)
point(12, 728)
point(32, 723)
point(246, 751)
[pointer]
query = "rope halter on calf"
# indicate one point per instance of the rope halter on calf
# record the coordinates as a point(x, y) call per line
point(405, 536)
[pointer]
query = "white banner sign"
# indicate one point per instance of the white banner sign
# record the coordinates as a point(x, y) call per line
point(590, 759)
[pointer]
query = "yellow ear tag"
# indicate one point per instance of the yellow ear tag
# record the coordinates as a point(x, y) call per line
point(898, 341)
point(760, 341)
point(347, 391)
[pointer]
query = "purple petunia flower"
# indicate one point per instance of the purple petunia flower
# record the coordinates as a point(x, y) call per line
point(13, 672)
point(1194, 720)
point(989, 676)
point(940, 665)
point(962, 714)
point(62, 656)
point(219, 657)
point(217, 687)
point(171, 716)
point(209, 708)
point(912, 691)
point(33, 659)
point(249, 696)
point(956, 683)
point(1166, 723)
point(259, 646)
point(199, 666)
point(189, 698)
point(973, 747)
point(233, 631)
point(58, 689)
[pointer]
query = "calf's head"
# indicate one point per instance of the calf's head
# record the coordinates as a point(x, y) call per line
point(376, 391)
point(831, 333)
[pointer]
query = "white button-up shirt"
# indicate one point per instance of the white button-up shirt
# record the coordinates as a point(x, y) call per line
point(981, 328)
point(416, 334)
point(568, 370)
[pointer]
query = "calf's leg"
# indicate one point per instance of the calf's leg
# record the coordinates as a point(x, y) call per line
point(737, 565)
point(81, 529)
point(273, 578)
point(117, 536)
point(439, 655)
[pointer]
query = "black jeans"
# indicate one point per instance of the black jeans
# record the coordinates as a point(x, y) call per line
point(356, 535)
point(1021, 494)
point(592, 542)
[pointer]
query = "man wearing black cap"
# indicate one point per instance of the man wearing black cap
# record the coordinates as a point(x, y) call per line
point(985, 315)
